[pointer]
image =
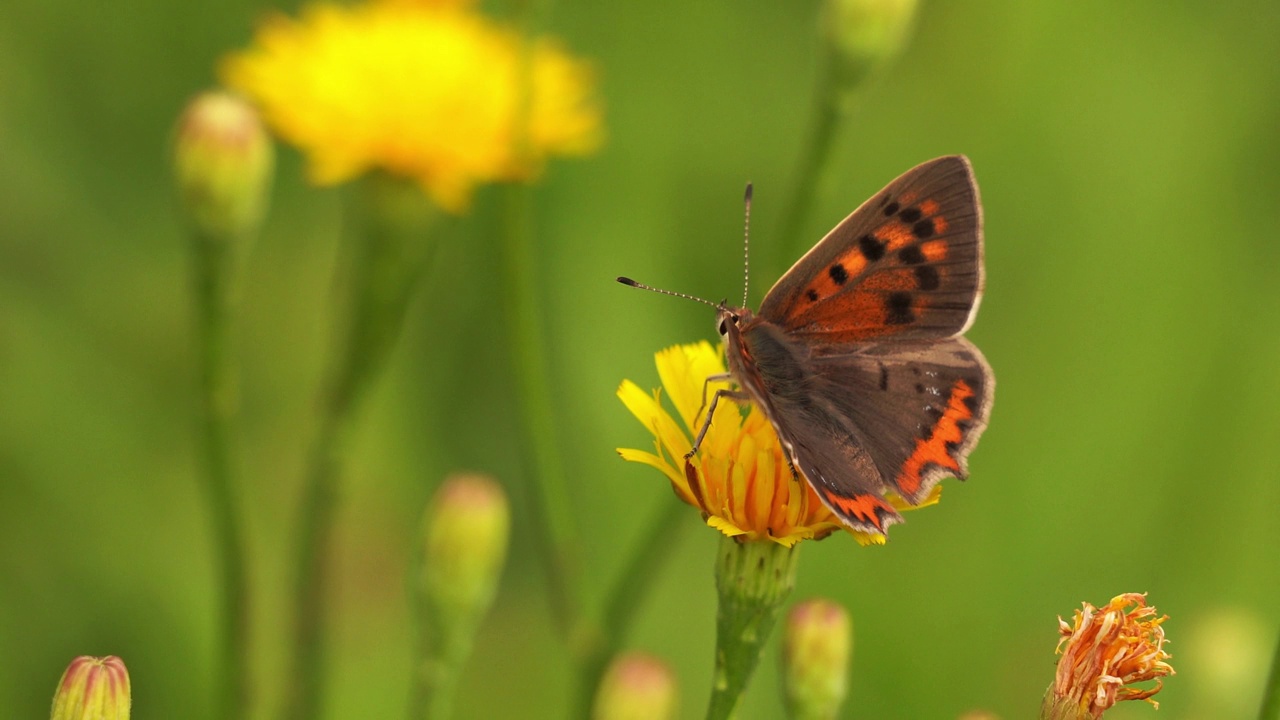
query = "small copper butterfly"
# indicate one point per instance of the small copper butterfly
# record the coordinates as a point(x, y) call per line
point(857, 355)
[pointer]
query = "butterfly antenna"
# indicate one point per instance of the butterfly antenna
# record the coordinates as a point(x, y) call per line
point(746, 245)
point(642, 286)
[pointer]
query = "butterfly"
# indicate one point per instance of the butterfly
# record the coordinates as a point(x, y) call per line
point(857, 354)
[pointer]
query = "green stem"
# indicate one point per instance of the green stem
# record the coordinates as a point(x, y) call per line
point(390, 257)
point(213, 267)
point(1270, 709)
point(558, 531)
point(442, 652)
point(623, 601)
point(812, 175)
point(753, 580)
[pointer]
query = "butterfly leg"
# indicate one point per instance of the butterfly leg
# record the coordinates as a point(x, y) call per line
point(718, 377)
point(735, 395)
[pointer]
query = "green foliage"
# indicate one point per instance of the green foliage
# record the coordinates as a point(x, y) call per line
point(1127, 156)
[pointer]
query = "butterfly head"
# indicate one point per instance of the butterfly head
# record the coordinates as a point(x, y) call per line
point(730, 319)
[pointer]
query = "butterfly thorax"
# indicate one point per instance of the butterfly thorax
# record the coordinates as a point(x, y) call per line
point(765, 362)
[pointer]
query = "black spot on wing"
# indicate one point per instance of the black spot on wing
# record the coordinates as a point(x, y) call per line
point(911, 255)
point(927, 277)
point(871, 248)
point(898, 308)
point(838, 274)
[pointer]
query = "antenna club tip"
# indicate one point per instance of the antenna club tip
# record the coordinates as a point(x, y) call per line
point(747, 195)
point(628, 281)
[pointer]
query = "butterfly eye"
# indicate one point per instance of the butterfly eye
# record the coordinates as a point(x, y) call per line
point(724, 327)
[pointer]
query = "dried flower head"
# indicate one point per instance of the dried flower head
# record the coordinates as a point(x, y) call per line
point(1105, 653)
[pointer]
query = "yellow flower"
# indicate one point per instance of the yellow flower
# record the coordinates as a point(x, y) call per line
point(1104, 652)
point(426, 90)
point(739, 479)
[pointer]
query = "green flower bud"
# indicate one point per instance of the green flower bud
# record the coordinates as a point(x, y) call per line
point(863, 34)
point(636, 687)
point(223, 160)
point(464, 544)
point(815, 659)
point(93, 689)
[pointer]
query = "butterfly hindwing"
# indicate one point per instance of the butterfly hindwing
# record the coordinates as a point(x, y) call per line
point(917, 408)
point(884, 417)
point(906, 264)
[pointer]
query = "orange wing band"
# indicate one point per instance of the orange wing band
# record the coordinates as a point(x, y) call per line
point(937, 449)
point(869, 509)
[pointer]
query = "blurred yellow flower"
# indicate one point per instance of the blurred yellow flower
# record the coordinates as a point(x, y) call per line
point(1104, 653)
point(427, 90)
point(739, 479)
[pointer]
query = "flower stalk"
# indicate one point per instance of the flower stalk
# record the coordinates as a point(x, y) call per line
point(222, 166)
point(1270, 709)
point(391, 253)
point(859, 38)
point(463, 549)
point(558, 533)
point(622, 602)
point(753, 580)
point(211, 274)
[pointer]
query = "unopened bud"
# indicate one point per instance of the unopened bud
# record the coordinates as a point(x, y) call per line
point(815, 659)
point(223, 161)
point(636, 687)
point(93, 689)
point(861, 35)
point(464, 545)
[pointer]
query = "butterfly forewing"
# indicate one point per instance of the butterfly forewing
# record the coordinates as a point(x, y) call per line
point(907, 264)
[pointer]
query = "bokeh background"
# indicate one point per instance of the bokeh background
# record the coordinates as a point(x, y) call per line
point(1129, 160)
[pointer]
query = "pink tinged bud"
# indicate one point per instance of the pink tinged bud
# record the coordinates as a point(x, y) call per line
point(223, 161)
point(815, 659)
point(465, 544)
point(93, 689)
point(636, 687)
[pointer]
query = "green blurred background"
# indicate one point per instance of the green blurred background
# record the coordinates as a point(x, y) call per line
point(1128, 157)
